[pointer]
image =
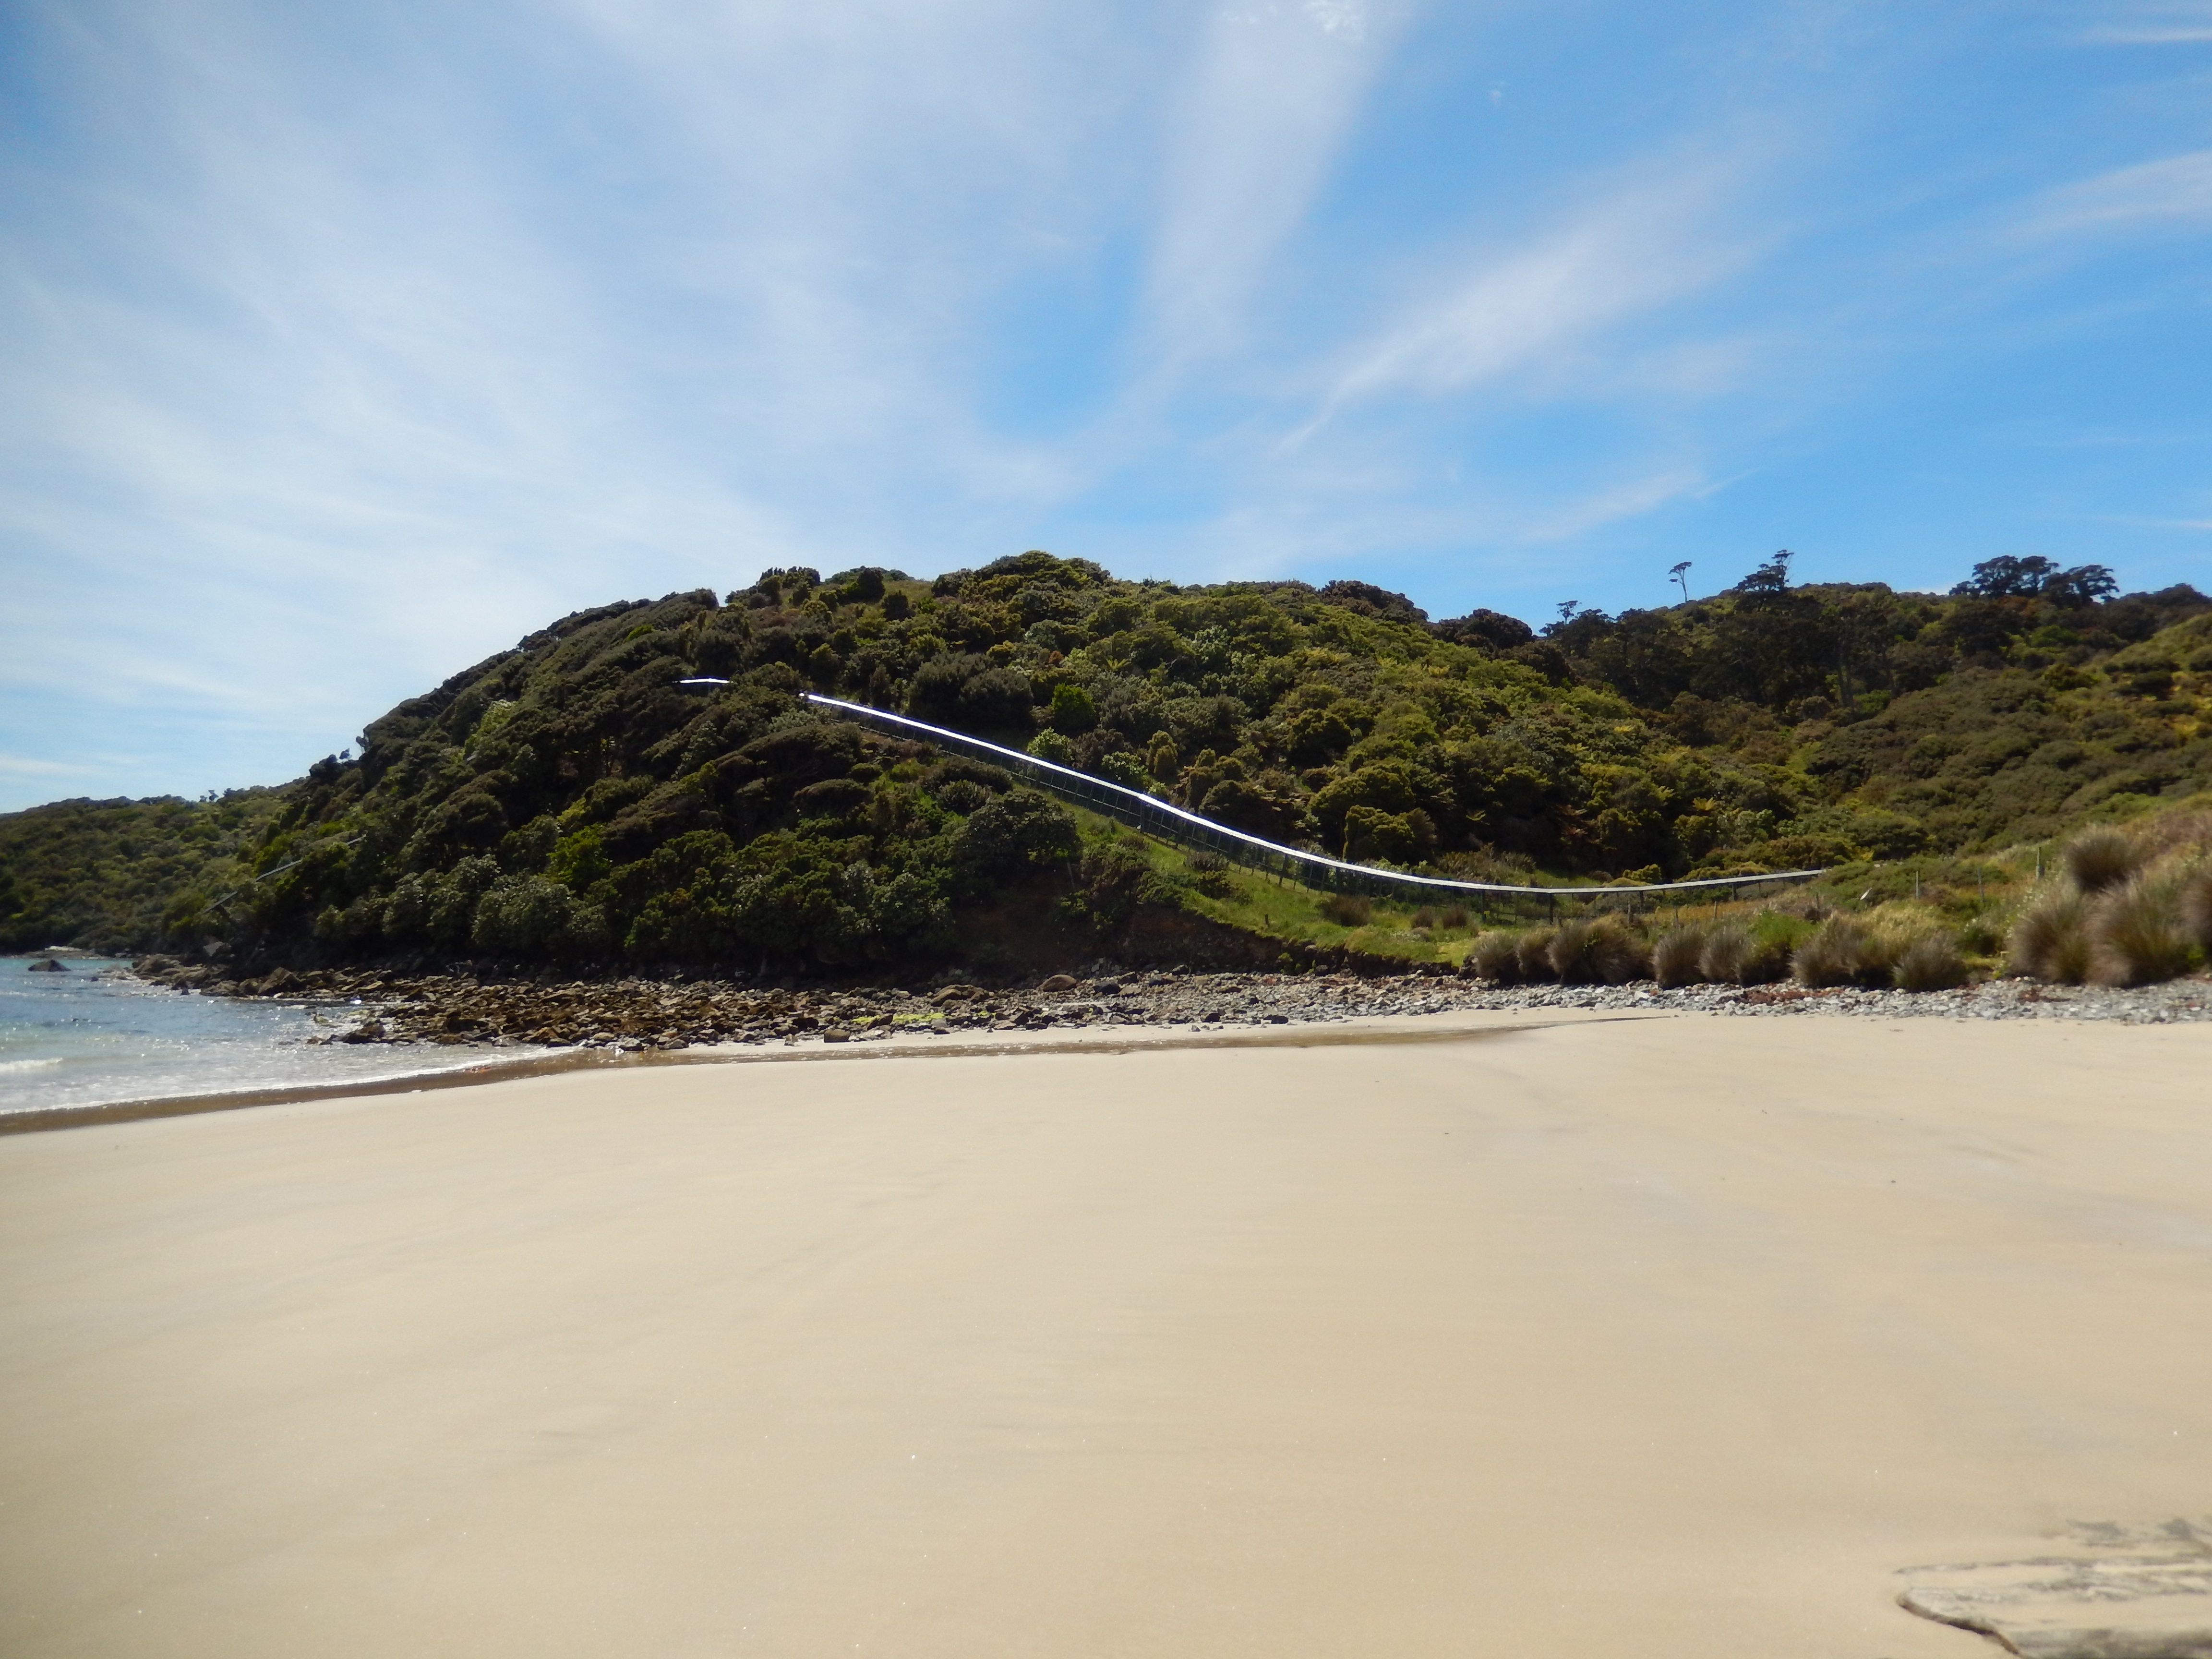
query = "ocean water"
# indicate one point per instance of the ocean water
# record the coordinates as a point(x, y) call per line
point(95, 1036)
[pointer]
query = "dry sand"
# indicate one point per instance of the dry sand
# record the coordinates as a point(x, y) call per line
point(1660, 1338)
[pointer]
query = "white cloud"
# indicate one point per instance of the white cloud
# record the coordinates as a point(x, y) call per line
point(1613, 502)
point(27, 766)
point(1530, 309)
point(2181, 24)
point(320, 409)
point(2176, 189)
point(1271, 98)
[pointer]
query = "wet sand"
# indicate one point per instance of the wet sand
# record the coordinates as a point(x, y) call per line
point(1656, 1337)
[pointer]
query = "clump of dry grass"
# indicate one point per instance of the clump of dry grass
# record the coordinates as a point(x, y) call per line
point(1930, 963)
point(2050, 940)
point(1600, 952)
point(1536, 955)
point(1675, 953)
point(1424, 917)
point(2134, 907)
point(2136, 933)
point(1453, 916)
point(1496, 956)
point(2196, 901)
point(1734, 954)
point(1347, 909)
point(2101, 858)
point(1843, 950)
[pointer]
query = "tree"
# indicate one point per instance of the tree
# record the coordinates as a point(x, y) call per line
point(2034, 577)
point(2084, 586)
point(2006, 578)
point(1769, 580)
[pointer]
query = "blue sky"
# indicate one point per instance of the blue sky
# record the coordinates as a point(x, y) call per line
point(343, 345)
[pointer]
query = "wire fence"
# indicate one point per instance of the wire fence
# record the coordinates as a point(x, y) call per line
point(1183, 827)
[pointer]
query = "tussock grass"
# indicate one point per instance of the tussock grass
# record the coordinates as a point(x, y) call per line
point(2195, 899)
point(2101, 858)
point(1843, 951)
point(1600, 952)
point(1735, 954)
point(1496, 956)
point(1347, 909)
point(1536, 955)
point(1453, 917)
point(2050, 940)
point(2136, 933)
point(1424, 917)
point(1930, 963)
point(1675, 953)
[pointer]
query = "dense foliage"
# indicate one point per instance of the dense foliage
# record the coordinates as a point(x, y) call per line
point(108, 874)
point(571, 798)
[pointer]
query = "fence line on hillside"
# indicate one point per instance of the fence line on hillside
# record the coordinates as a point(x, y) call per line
point(1153, 815)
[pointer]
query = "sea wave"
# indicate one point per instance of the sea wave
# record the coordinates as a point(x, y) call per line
point(8, 1066)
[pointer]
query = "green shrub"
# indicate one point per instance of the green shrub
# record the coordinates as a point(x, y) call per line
point(1675, 953)
point(531, 916)
point(1930, 963)
point(1125, 767)
point(1112, 877)
point(1495, 956)
point(1072, 712)
point(1013, 834)
point(2050, 940)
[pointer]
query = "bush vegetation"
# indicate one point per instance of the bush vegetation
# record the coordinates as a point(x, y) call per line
point(120, 875)
point(570, 800)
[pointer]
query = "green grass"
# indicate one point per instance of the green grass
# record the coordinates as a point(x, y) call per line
point(1259, 903)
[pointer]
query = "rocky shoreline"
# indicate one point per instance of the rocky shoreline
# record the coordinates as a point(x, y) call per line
point(632, 1014)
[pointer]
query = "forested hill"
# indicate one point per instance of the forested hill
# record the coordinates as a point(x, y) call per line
point(571, 798)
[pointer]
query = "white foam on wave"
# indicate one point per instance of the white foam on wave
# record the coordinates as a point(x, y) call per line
point(31, 1065)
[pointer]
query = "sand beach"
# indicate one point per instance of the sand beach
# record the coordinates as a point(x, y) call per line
point(1669, 1335)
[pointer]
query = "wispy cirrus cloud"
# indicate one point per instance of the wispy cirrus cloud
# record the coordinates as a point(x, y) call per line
point(1275, 89)
point(1537, 306)
point(2175, 190)
point(2187, 23)
point(29, 766)
point(339, 346)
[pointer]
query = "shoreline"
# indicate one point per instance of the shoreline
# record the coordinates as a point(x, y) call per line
point(477, 1026)
point(921, 1046)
